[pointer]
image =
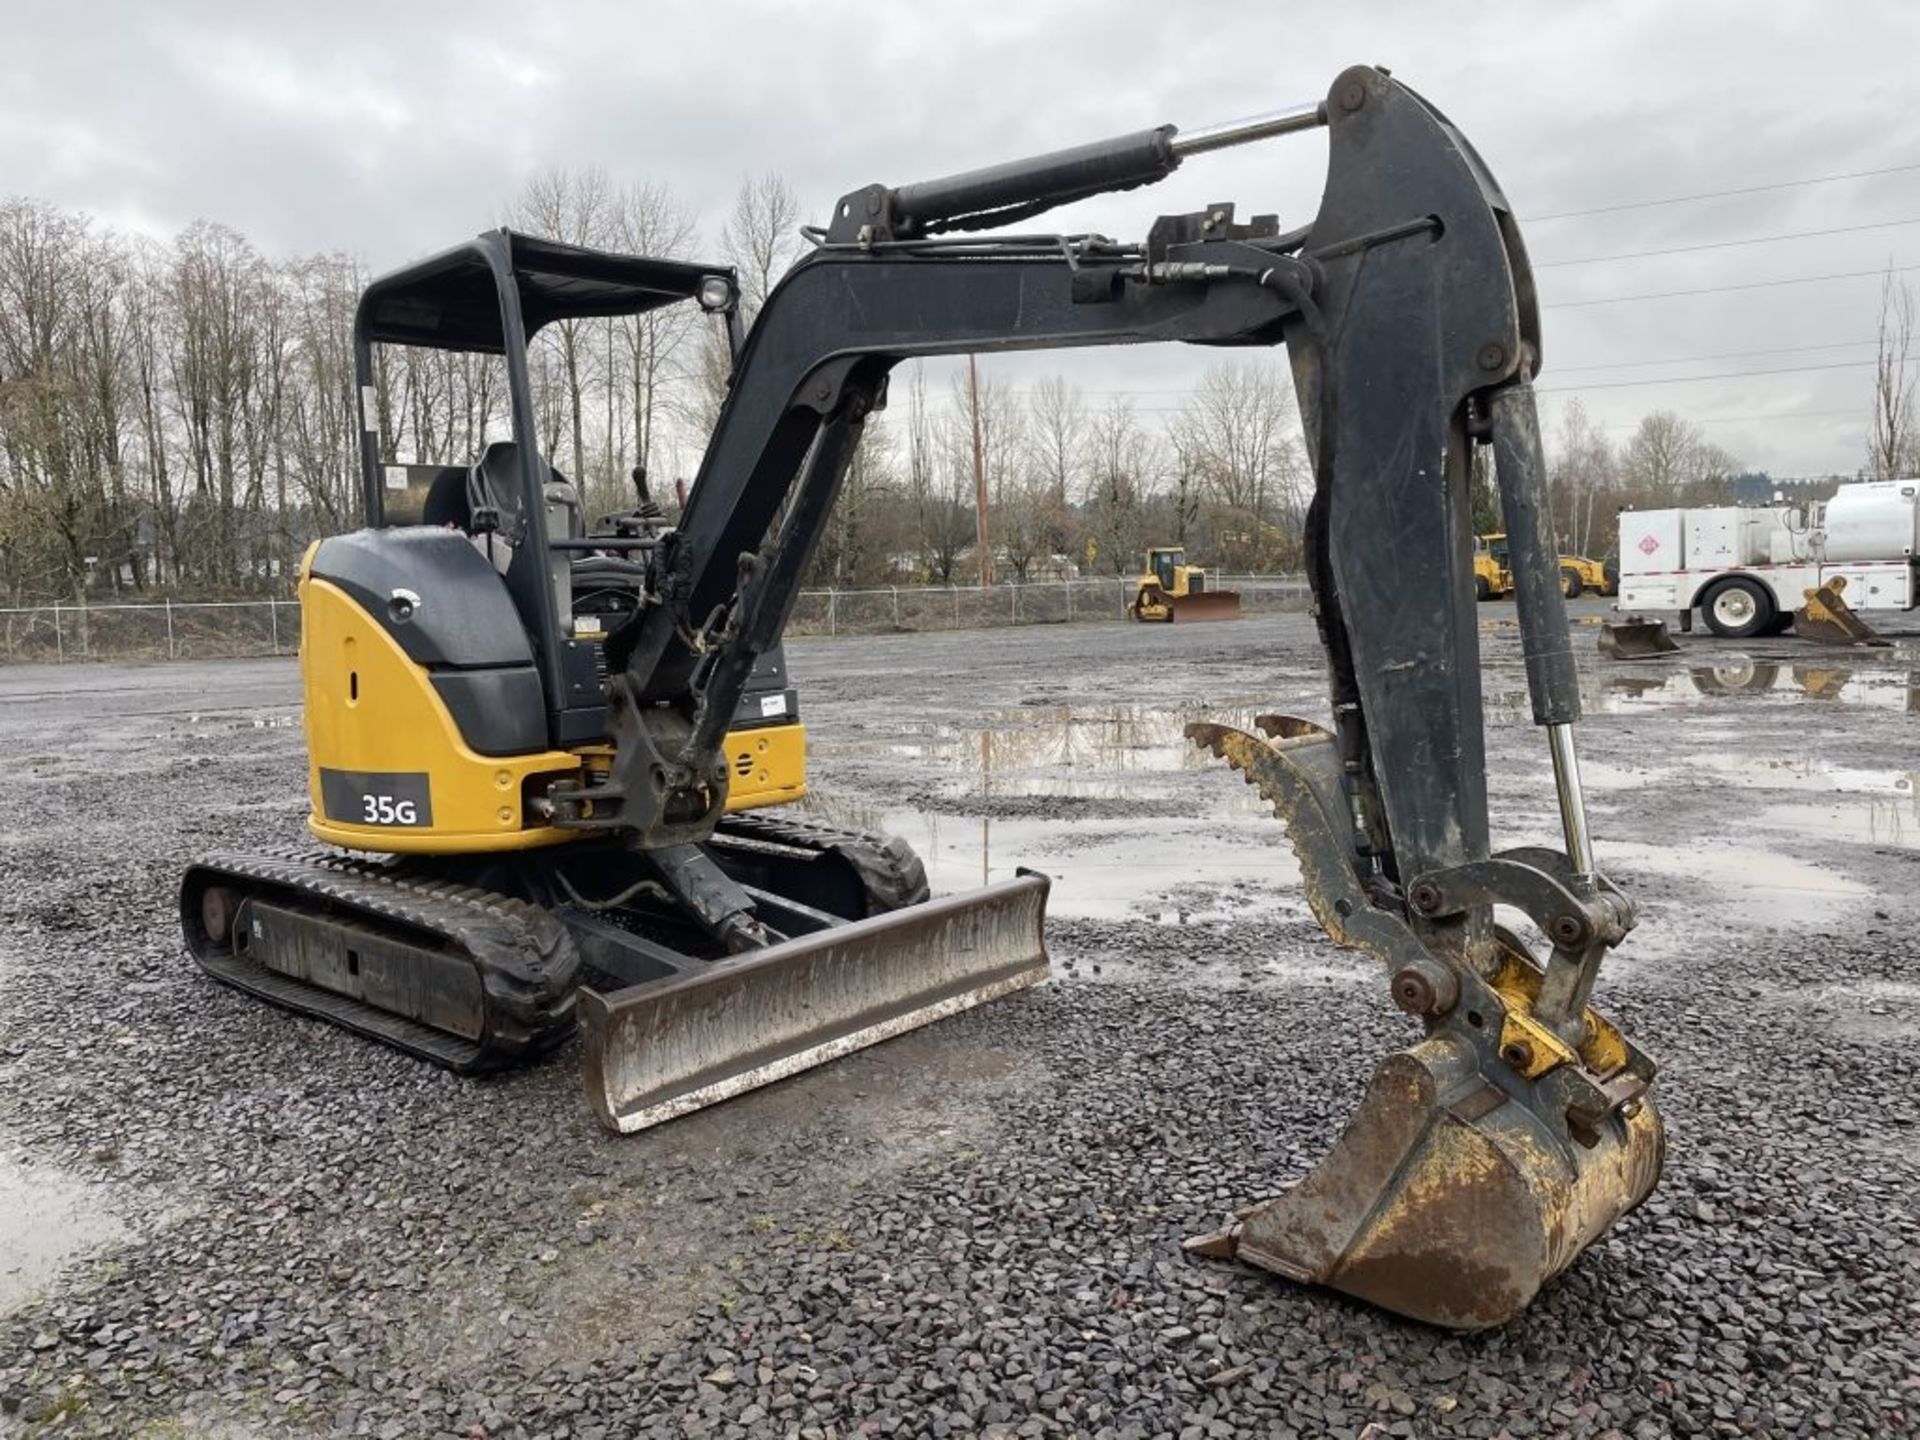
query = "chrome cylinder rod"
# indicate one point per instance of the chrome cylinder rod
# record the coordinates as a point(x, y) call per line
point(1309, 115)
point(1573, 800)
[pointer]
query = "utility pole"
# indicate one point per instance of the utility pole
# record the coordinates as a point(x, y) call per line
point(979, 474)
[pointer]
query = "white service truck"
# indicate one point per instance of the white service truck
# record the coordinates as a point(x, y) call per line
point(1748, 568)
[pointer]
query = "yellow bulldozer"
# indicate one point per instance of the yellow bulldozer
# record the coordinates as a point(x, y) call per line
point(1169, 589)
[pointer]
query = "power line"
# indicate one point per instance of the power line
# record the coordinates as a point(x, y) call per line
point(1722, 355)
point(1725, 289)
point(1793, 416)
point(1719, 194)
point(1727, 244)
point(1690, 379)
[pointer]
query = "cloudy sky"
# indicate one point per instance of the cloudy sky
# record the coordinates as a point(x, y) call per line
point(388, 127)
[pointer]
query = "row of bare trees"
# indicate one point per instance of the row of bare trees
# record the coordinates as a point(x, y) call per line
point(183, 416)
point(166, 409)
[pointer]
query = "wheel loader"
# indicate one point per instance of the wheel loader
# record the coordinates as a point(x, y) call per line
point(1577, 573)
point(1169, 589)
point(545, 804)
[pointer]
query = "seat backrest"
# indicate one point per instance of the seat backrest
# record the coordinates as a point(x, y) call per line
point(494, 483)
point(446, 503)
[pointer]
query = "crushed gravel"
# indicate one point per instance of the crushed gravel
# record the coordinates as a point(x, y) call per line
point(974, 1230)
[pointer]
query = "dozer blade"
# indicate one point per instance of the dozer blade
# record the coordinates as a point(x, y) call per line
point(1485, 1157)
point(1635, 637)
point(669, 1047)
point(1207, 605)
point(1827, 619)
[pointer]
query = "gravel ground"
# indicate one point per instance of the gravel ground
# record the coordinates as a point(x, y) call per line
point(267, 1228)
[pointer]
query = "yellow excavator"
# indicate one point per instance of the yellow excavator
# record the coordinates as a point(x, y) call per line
point(1169, 589)
point(519, 724)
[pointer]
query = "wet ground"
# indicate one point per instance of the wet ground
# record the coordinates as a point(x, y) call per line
point(215, 1220)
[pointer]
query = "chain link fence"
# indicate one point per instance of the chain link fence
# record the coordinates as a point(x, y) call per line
point(228, 629)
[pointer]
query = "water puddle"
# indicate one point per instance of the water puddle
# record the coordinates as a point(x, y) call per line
point(1869, 806)
point(1662, 687)
point(47, 1220)
point(1763, 887)
point(1111, 801)
point(1110, 752)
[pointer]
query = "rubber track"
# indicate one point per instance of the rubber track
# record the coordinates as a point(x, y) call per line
point(528, 965)
point(889, 871)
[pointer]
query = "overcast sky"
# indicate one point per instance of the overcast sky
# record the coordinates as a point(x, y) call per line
point(388, 128)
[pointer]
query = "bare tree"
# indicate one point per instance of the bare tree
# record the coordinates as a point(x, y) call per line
point(761, 238)
point(649, 221)
point(1661, 457)
point(942, 524)
point(1239, 435)
point(1893, 447)
point(575, 206)
point(1017, 528)
point(1056, 457)
point(1121, 461)
point(1582, 473)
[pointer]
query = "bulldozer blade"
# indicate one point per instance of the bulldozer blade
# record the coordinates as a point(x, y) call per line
point(1448, 1199)
point(1207, 605)
point(1827, 619)
point(1635, 637)
point(668, 1047)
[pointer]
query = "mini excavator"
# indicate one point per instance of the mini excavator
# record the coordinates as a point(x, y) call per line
point(543, 784)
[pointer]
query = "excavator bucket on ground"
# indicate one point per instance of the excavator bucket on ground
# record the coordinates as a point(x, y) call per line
point(1827, 619)
point(1485, 1157)
point(1636, 637)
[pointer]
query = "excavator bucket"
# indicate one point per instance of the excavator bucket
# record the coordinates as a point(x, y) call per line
point(1827, 619)
point(668, 1047)
point(1206, 605)
point(1483, 1158)
point(1635, 637)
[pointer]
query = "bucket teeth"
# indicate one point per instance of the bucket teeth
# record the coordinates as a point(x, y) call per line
point(1298, 774)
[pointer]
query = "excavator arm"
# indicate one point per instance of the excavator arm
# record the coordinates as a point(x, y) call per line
point(1494, 1149)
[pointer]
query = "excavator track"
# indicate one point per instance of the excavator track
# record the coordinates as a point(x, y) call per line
point(463, 977)
point(888, 874)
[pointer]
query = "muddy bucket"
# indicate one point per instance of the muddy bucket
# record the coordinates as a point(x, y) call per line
point(1483, 1158)
point(1827, 619)
point(1206, 605)
point(668, 1047)
point(1635, 637)
point(1449, 1199)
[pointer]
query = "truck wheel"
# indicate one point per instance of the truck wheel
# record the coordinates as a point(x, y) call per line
point(1481, 589)
point(1570, 582)
point(1738, 608)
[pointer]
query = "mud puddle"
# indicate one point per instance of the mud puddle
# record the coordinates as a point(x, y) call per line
point(1090, 752)
point(1129, 819)
point(1764, 888)
point(47, 1220)
point(1844, 802)
point(1624, 691)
